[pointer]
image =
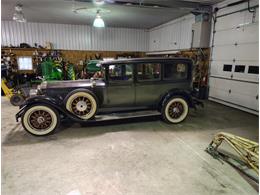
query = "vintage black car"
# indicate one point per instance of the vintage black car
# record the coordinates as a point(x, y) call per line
point(160, 84)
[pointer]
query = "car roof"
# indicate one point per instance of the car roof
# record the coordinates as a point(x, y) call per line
point(147, 59)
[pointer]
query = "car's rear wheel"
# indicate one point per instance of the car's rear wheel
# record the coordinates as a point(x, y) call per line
point(82, 104)
point(40, 120)
point(175, 110)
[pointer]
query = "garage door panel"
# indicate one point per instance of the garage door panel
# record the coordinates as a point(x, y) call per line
point(247, 34)
point(240, 93)
point(244, 88)
point(219, 93)
point(218, 70)
point(233, 98)
point(240, 87)
point(234, 64)
point(239, 99)
point(244, 76)
point(234, 20)
point(239, 52)
point(245, 94)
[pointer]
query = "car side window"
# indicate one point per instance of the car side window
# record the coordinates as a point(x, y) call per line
point(175, 71)
point(148, 71)
point(120, 72)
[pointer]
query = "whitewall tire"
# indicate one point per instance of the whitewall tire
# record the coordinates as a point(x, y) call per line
point(82, 104)
point(175, 110)
point(40, 120)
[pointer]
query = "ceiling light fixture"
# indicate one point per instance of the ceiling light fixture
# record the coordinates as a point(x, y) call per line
point(98, 22)
point(18, 14)
point(98, 2)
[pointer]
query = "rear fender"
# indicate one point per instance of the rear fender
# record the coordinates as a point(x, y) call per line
point(176, 92)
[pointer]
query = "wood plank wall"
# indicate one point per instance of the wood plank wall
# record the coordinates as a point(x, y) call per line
point(74, 56)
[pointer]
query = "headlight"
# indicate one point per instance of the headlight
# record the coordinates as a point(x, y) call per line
point(39, 87)
point(33, 92)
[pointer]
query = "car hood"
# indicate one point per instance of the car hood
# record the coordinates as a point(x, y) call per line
point(72, 84)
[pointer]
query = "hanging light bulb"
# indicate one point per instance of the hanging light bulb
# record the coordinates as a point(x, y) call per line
point(18, 14)
point(98, 22)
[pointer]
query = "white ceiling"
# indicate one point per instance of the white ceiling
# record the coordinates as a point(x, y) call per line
point(61, 11)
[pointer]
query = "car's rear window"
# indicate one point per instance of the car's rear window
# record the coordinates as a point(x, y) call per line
point(121, 72)
point(175, 71)
point(148, 71)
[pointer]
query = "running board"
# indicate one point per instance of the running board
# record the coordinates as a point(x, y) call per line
point(125, 115)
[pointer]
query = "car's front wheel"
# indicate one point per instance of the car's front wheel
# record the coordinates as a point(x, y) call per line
point(40, 120)
point(175, 110)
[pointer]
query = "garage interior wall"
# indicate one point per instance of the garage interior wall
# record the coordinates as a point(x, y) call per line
point(74, 37)
point(174, 35)
point(235, 58)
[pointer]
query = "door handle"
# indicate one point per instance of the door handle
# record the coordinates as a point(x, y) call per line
point(229, 91)
point(231, 76)
point(256, 97)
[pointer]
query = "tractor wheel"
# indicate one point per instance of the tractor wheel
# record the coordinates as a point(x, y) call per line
point(71, 72)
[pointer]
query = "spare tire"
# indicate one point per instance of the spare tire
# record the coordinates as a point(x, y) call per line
point(81, 103)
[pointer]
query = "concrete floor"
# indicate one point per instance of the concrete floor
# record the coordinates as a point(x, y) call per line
point(137, 157)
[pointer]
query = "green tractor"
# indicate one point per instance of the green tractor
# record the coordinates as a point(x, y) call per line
point(92, 67)
point(54, 70)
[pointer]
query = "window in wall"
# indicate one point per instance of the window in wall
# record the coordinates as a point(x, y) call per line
point(120, 72)
point(177, 71)
point(253, 70)
point(148, 72)
point(227, 67)
point(240, 68)
point(25, 63)
point(108, 59)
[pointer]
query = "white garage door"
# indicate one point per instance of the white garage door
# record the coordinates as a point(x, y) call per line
point(234, 66)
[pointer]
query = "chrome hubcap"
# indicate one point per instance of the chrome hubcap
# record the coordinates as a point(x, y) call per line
point(40, 120)
point(176, 109)
point(81, 106)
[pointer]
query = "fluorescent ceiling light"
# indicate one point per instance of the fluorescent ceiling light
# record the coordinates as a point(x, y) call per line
point(98, 22)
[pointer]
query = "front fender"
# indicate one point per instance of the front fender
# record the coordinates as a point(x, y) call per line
point(38, 100)
point(57, 104)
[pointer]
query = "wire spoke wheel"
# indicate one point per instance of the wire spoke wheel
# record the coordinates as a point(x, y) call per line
point(40, 120)
point(175, 110)
point(82, 104)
